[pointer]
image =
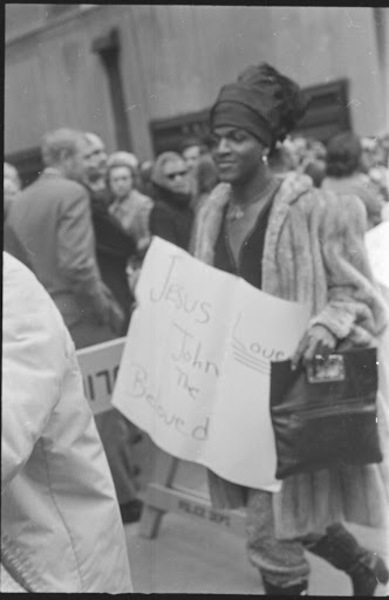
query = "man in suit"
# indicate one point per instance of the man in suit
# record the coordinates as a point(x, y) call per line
point(50, 229)
point(52, 223)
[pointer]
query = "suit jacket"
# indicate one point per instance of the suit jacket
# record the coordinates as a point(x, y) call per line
point(52, 224)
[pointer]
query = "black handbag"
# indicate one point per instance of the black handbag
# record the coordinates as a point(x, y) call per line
point(326, 415)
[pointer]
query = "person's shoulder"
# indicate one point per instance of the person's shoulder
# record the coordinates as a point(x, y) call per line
point(297, 190)
point(27, 293)
point(215, 201)
point(56, 188)
point(72, 188)
point(340, 201)
point(333, 209)
point(141, 198)
point(301, 190)
point(31, 190)
point(12, 267)
point(31, 320)
point(342, 211)
point(62, 184)
point(72, 195)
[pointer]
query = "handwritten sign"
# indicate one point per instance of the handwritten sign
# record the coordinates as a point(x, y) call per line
point(99, 366)
point(195, 372)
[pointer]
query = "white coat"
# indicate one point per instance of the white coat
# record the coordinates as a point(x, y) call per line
point(61, 529)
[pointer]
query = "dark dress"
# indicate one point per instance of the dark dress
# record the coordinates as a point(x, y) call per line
point(250, 256)
point(171, 218)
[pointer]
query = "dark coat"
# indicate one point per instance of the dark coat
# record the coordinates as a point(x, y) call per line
point(171, 217)
point(113, 249)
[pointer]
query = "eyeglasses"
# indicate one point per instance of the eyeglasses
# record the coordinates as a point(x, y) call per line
point(177, 174)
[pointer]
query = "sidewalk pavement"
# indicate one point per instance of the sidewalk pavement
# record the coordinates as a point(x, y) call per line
point(191, 556)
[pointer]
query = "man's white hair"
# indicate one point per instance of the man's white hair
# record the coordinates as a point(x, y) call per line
point(55, 143)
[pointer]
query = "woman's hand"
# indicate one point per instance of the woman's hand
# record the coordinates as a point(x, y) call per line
point(317, 340)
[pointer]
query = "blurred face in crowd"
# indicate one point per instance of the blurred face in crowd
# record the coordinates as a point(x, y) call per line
point(237, 154)
point(191, 156)
point(120, 181)
point(95, 158)
point(176, 173)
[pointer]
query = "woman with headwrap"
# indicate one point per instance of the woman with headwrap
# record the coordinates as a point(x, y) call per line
point(171, 217)
point(299, 243)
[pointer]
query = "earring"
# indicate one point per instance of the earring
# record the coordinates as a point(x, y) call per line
point(264, 159)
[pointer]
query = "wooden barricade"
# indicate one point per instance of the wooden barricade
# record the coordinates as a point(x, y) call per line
point(99, 367)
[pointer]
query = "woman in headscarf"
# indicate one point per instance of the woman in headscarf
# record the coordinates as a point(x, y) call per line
point(296, 242)
point(172, 216)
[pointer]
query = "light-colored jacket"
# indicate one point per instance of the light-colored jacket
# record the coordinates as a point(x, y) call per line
point(314, 254)
point(61, 529)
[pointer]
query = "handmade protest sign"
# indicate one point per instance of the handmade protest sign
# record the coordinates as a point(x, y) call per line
point(195, 371)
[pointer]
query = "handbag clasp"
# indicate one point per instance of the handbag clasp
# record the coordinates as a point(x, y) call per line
point(325, 370)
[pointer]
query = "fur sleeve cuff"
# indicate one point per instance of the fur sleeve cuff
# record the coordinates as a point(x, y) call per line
point(335, 318)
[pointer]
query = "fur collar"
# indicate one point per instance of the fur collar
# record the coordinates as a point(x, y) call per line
point(210, 216)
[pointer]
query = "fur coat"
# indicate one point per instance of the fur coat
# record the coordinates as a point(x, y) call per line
point(314, 254)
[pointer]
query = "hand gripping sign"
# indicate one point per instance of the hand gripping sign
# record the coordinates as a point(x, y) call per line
point(195, 371)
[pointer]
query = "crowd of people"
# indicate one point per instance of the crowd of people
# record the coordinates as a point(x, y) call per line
point(134, 193)
point(251, 200)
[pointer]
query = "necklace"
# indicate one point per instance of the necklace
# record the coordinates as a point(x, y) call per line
point(236, 212)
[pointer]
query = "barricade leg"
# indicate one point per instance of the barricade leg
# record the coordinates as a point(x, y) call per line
point(164, 474)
